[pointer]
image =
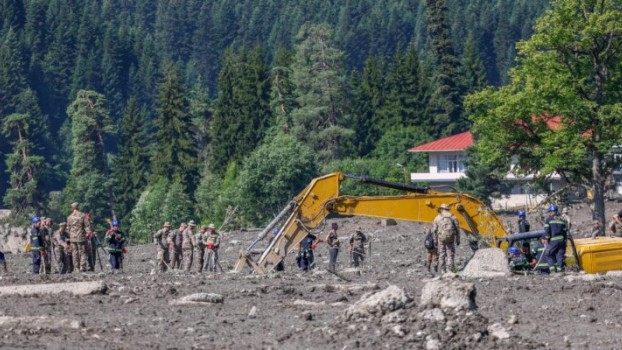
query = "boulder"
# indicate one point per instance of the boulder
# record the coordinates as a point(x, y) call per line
point(449, 294)
point(388, 222)
point(76, 288)
point(199, 299)
point(487, 263)
point(498, 331)
point(378, 304)
point(39, 323)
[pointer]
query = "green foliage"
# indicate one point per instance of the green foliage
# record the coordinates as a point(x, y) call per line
point(271, 176)
point(482, 181)
point(560, 113)
point(89, 183)
point(147, 216)
point(215, 195)
point(394, 144)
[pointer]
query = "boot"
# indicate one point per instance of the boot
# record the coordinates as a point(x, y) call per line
point(428, 265)
point(436, 269)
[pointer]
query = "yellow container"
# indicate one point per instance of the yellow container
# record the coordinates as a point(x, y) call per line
point(601, 254)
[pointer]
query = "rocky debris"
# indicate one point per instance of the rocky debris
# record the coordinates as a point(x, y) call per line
point(498, 331)
point(199, 299)
point(615, 274)
point(39, 323)
point(435, 314)
point(345, 288)
point(388, 222)
point(300, 302)
point(76, 288)
point(583, 277)
point(253, 312)
point(449, 294)
point(487, 263)
point(378, 304)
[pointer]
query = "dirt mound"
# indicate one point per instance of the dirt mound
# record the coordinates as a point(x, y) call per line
point(487, 263)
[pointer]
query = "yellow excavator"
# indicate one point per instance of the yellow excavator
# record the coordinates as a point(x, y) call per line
point(308, 210)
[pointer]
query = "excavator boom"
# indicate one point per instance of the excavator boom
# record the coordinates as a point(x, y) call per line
point(321, 197)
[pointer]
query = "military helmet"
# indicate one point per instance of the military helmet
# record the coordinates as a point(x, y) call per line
point(191, 223)
point(211, 226)
point(62, 224)
point(443, 207)
point(167, 224)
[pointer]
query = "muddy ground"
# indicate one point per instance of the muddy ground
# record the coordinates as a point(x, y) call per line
point(538, 311)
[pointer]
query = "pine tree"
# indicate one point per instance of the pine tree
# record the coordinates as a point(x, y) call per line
point(131, 168)
point(12, 77)
point(174, 149)
point(89, 180)
point(282, 100)
point(201, 111)
point(474, 71)
point(25, 193)
point(320, 121)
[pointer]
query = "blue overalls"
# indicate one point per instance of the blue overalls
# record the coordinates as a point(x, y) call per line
point(115, 242)
point(557, 230)
point(36, 246)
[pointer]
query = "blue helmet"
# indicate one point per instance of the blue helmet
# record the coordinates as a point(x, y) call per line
point(275, 230)
point(513, 250)
point(115, 223)
point(35, 219)
point(521, 214)
point(553, 207)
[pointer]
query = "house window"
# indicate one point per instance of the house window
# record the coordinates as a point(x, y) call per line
point(451, 163)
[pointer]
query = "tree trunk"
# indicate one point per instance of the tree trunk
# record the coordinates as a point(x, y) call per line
point(598, 188)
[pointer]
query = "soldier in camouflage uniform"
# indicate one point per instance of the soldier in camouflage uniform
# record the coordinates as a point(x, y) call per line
point(61, 246)
point(187, 245)
point(47, 232)
point(174, 243)
point(212, 243)
point(447, 235)
point(78, 225)
point(199, 245)
point(159, 239)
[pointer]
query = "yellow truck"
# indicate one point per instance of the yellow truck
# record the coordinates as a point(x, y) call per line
point(307, 212)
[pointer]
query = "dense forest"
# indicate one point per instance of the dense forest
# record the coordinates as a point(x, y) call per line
point(156, 110)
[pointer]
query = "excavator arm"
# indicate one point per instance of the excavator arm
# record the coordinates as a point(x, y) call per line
point(308, 210)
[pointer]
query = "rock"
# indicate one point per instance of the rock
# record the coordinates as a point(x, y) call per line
point(378, 304)
point(130, 300)
point(435, 314)
point(449, 294)
point(253, 312)
point(39, 322)
point(432, 343)
point(487, 263)
point(398, 330)
point(300, 302)
point(388, 222)
point(76, 288)
point(615, 274)
point(583, 277)
point(307, 316)
point(497, 331)
point(513, 319)
point(199, 299)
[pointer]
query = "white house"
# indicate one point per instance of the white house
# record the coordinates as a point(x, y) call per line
point(446, 158)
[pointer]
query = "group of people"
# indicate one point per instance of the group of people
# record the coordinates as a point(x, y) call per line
point(441, 241)
point(73, 245)
point(177, 249)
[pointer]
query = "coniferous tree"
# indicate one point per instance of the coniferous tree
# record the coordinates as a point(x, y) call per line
point(89, 180)
point(474, 71)
point(320, 121)
point(174, 149)
point(131, 168)
point(445, 102)
point(25, 194)
point(282, 100)
point(201, 111)
point(12, 75)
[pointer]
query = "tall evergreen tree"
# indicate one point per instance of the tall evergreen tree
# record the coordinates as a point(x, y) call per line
point(174, 150)
point(282, 100)
point(320, 121)
point(89, 181)
point(131, 168)
point(445, 102)
point(12, 75)
point(474, 71)
point(201, 111)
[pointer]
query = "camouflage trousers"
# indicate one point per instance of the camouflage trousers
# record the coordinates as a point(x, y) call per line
point(200, 258)
point(446, 255)
point(174, 254)
point(79, 257)
point(162, 257)
point(62, 260)
point(187, 256)
point(46, 261)
point(211, 259)
point(432, 258)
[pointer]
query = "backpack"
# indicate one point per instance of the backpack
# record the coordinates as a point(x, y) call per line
point(446, 230)
point(429, 241)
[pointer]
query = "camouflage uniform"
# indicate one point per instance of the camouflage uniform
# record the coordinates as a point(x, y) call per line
point(614, 229)
point(77, 224)
point(91, 250)
point(199, 245)
point(213, 244)
point(446, 251)
point(46, 233)
point(357, 247)
point(187, 247)
point(61, 248)
point(159, 239)
point(174, 242)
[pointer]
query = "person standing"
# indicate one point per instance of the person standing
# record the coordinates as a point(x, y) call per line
point(447, 234)
point(90, 245)
point(78, 226)
point(596, 229)
point(187, 245)
point(159, 239)
point(61, 246)
point(174, 242)
point(523, 224)
point(557, 231)
point(306, 257)
point(212, 244)
point(357, 246)
point(116, 240)
point(37, 245)
point(542, 263)
point(46, 233)
point(332, 239)
point(199, 244)
point(432, 249)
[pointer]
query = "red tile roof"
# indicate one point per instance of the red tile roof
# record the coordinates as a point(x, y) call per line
point(458, 142)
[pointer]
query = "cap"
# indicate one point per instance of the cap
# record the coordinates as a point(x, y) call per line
point(334, 226)
point(191, 223)
point(211, 226)
point(183, 224)
point(167, 224)
point(443, 207)
point(75, 205)
point(359, 229)
point(62, 224)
